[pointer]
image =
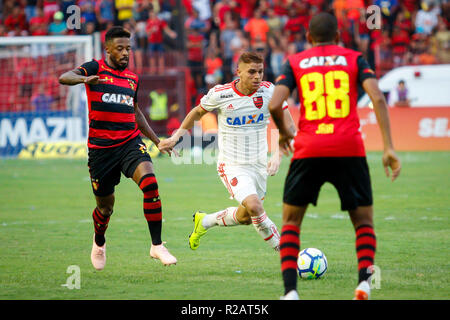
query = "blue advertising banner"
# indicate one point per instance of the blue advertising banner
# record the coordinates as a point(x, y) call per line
point(19, 129)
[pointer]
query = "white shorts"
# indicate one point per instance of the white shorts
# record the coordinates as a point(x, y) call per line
point(242, 181)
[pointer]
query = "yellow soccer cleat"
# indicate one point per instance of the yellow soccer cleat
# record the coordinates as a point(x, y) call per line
point(199, 230)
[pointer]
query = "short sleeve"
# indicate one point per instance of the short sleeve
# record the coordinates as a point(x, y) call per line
point(89, 68)
point(287, 77)
point(208, 102)
point(364, 70)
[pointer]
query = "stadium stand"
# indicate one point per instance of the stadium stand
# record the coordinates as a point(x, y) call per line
point(214, 33)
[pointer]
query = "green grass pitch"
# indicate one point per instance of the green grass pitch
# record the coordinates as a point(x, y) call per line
point(46, 226)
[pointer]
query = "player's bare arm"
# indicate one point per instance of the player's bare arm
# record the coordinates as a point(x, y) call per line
point(280, 94)
point(390, 158)
point(194, 115)
point(147, 131)
point(74, 77)
point(275, 160)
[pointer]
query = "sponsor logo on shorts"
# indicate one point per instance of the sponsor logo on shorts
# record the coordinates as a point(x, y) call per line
point(142, 148)
point(95, 184)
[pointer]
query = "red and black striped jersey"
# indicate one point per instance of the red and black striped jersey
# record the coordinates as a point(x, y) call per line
point(112, 119)
point(327, 78)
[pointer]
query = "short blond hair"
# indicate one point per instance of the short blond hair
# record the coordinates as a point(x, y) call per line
point(249, 57)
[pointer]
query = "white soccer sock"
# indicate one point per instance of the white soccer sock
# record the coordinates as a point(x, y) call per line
point(267, 230)
point(224, 218)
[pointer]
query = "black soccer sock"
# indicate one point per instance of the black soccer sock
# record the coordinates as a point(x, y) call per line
point(152, 207)
point(366, 243)
point(100, 226)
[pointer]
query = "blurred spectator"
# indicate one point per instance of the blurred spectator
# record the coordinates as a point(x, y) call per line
point(441, 40)
point(276, 55)
point(41, 101)
point(195, 22)
point(194, 47)
point(142, 14)
point(222, 8)
point(340, 8)
point(30, 9)
point(88, 14)
point(400, 44)
point(38, 24)
point(426, 19)
point(213, 65)
point(124, 10)
point(16, 23)
point(58, 26)
point(355, 8)
point(3, 31)
point(89, 28)
point(274, 22)
point(246, 10)
point(104, 10)
point(389, 9)
point(155, 28)
point(399, 96)
point(50, 7)
point(257, 28)
point(362, 36)
point(203, 7)
point(296, 22)
point(226, 37)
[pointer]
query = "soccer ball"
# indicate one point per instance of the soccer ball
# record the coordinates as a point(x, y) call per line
point(311, 263)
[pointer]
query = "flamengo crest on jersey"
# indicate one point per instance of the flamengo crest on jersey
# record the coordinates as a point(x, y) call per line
point(242, 122)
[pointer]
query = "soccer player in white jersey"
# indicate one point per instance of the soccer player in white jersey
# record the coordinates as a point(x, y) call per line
point(243, 115)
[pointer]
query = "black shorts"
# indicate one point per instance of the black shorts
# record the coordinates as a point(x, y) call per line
point(105, 165)
point(349, 175)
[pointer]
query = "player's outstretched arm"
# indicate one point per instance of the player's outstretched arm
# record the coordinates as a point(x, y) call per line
point(280, 94)
point(390, 159)
point(73, 77)
point(275, 160)
point(194, 115)
point(147, 130)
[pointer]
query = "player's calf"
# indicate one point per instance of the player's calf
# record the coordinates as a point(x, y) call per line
point(267, 230)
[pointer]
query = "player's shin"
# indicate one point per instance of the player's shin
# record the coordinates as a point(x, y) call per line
point(267, 230)
point(224, 218)
point(289, 249)
point(152, 207)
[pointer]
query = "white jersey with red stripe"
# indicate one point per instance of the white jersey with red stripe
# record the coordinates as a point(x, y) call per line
point(242, 121)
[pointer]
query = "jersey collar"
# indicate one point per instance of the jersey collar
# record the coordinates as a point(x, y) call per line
point(233, 85)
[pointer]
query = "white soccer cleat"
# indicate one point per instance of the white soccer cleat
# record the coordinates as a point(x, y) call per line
point(160, 252)
point(98, 256)
point(291, 295)
point(362, 291)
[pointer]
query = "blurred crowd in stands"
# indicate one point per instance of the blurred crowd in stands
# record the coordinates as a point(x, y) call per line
point(213, 33)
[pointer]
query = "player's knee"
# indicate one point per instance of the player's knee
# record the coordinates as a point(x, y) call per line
point(254, 208)
point(246, 220)
point(106, 210)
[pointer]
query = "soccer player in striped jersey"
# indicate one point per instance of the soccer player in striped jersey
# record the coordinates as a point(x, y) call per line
point(114, 143)
point(328, 145)
point(243, 114)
